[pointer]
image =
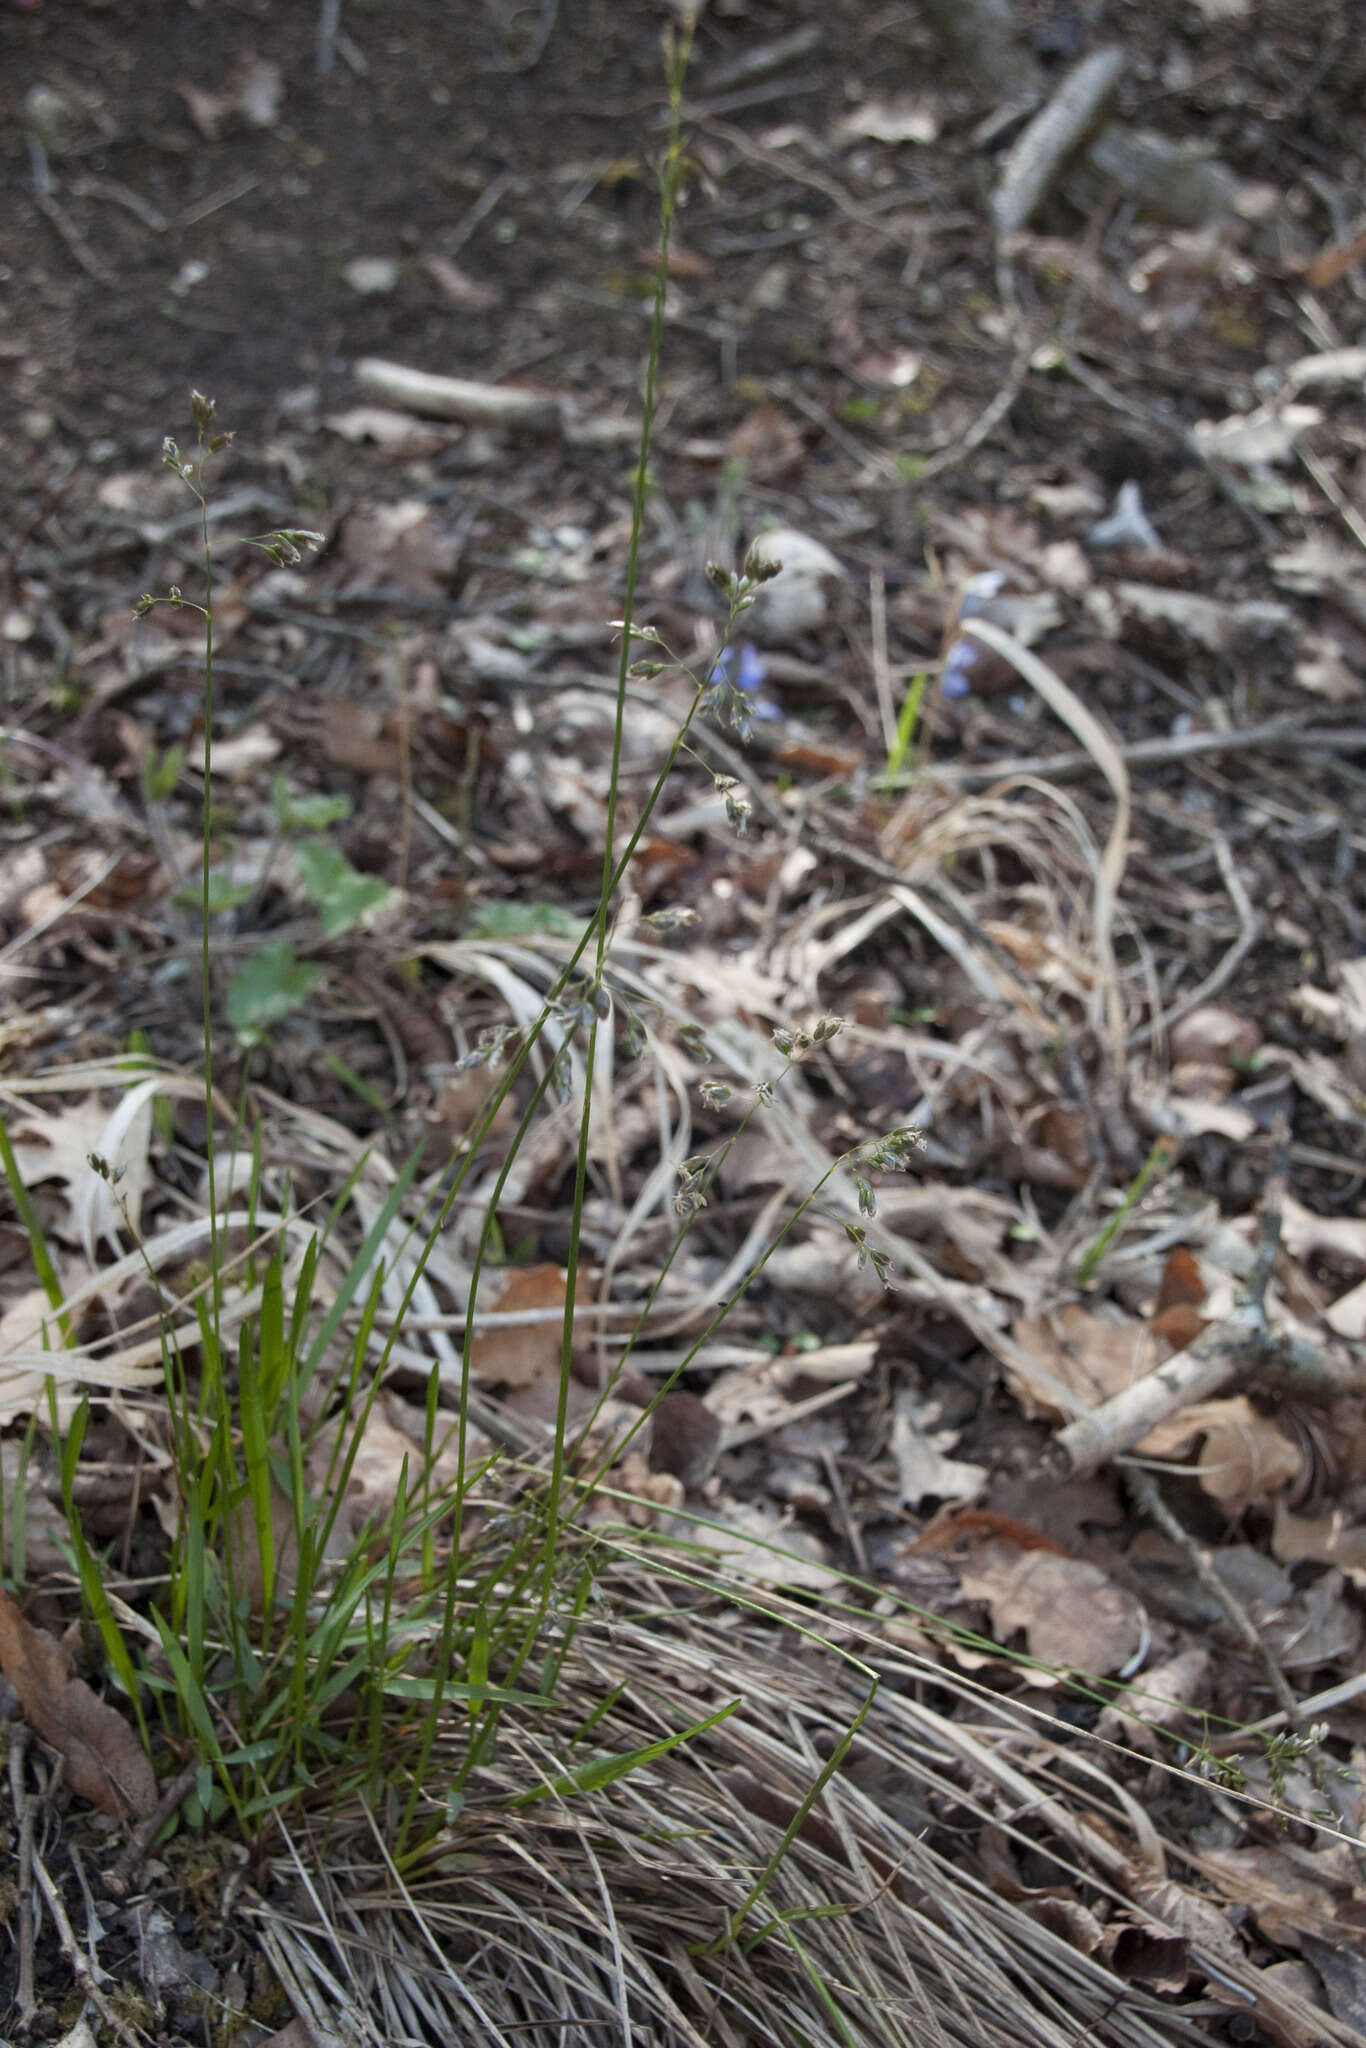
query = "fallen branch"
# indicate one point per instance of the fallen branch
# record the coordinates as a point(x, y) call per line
point(1039, 153)
point(1241, 1348)
point(1227, 1351)
point(456, 398)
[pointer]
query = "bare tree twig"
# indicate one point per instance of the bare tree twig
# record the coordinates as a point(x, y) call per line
point(78, 1963)
point(1280, 732)
point(1236, 1350)
point(1148, 1496)
point(1249, 929)
point(117, 1880)
point(26, 2004)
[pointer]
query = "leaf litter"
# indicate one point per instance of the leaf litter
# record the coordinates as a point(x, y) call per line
point(1087, 986)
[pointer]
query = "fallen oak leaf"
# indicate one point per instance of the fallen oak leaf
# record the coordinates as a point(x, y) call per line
point(1245, 1456)
point(952, 1524)
point(1072, 1616)
point(105, 1762)
point(516, 1354)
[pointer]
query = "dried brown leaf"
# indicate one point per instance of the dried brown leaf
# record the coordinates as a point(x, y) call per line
point(1321, 1539)
point(920, 1447)
point(1071, 1614)
point(1244, 1456)
point(1290, 1893)
point(1342, 1237)
point(57, 1145)
point(46, 1546)
point(470, 294)
point(1093, 1358)
point(105, 1762)
point(1320, 1628)
point(518, 1356)
point(1347, 1316)
point(1160, 1699)
point(393, 1431)
point(685, 1439)
point(1214, 1035)
point(402, 545)
point(396, 433)
point(754, 1544)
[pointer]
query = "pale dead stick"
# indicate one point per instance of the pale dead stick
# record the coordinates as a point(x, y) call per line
point(1292, 1714)
point(1232, 1350)
point(73, 238)
point(1281, 732)
point(25, 1807)
point(1249, 930)
point(1148, 1496)
point(1326, 1702)
point(79, 1964)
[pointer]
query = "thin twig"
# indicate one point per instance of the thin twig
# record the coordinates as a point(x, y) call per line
point(75, 241)
point(227, 195)
point(1228, 1353)
point(1147, 1495)
point(1269, 1223)
point(329, 22)
point(1172, 429)
point(783, 167)
point(1333, 492)
point(1249, 930)
point(1325, 1702)
point(118, 1879)
point(872, 462)
point(1280, 732)
point(26, 2004)
point(882, 672)
point(984, 424)
point(454, 242)
point(121, 195)
point(853, 1534)
point(78, 1963)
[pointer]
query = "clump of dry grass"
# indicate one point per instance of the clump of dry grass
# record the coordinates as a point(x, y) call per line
point(705, 1896)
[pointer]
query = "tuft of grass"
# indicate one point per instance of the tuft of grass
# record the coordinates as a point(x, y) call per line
point(1157, 1161)
point(907, 725)
point(465, 1666)
point(283, 1650)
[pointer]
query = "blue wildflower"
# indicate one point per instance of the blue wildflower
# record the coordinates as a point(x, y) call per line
point(741, 665)
point(956, 680)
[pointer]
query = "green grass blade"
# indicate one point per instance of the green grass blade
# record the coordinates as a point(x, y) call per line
point(253, 1405)
point(273, 1355)
point(908, 719)
point(605, 1770)
point(37, 1243)
point(362, 1262)
point(1155, 1163)
point(794, 1826)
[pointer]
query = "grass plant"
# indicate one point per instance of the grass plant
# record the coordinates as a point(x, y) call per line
point(487, 1685)
point(907, 724)
point(282, 1649)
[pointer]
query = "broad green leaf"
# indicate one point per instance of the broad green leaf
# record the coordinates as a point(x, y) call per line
point(268, 986)
point(343, 895)
point(522, 921)
point(307, 813)
point(224, 893)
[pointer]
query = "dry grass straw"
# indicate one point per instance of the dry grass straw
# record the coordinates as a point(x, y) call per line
point(628, 1913)
point(611, 1917)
